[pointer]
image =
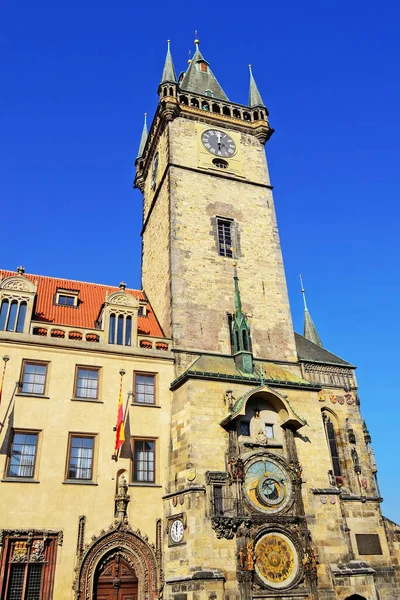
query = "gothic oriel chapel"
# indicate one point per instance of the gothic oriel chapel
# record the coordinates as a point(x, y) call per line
point(247, 470)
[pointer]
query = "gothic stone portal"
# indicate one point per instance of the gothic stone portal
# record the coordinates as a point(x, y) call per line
point(123, 558)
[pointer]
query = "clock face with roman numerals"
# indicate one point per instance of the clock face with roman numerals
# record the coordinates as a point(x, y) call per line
point(218, 143)
point(177, 529)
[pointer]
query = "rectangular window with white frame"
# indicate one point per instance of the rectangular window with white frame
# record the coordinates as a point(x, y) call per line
point(143, 461)
point(80, 457)
point(23, 453)
point(145, 388)
point(33, 378)
point(87, 383)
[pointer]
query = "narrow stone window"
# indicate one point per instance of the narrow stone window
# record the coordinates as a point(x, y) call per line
point(333, 449)
point(224, 227)
point(218, 500)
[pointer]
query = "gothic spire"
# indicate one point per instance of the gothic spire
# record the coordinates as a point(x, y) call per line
point(254, 95)
point(310, 331)
point(241, 332)
point(169, 70)
point(200, 79)
point(143, 139)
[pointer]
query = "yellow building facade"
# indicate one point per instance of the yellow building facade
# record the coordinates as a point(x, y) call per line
point(246, 470)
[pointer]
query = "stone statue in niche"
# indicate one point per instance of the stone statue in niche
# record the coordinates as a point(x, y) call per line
point(356, 460)
point(372, 460)
point(241, 558)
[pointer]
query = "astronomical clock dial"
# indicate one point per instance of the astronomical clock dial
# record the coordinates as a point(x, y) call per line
point(277, 561)
point(267, 485)
point(176, 531)
point(218, 143)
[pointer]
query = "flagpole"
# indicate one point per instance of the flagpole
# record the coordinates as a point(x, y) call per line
point(5, 358)
point(119, 428)
point(129, 394)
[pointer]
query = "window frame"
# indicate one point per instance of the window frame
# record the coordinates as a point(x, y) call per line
point(336, 460)
point(271, 425)
point(28, 361)
point(19, 320)
point(35, 466)
point(232, 250)
point(74, 294)
point(75, 390)
point(144, 482)
point(78, 480)
point(155, 386)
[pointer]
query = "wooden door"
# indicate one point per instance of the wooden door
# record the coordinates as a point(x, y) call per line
point(116, 581)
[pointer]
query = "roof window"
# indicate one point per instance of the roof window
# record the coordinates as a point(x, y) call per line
point(203, 66)
point(66, 297)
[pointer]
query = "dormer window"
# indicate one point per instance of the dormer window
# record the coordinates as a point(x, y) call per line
point(142, 312)
point(66, 300)
point(66, 297)
point(210, 93)
point(203, 66)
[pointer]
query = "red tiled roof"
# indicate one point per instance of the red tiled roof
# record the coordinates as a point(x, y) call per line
point(91, 299)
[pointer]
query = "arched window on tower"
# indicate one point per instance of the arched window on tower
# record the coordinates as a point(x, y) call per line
point(331, 437)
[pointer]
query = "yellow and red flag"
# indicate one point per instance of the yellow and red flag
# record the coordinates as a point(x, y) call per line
point(120, 429)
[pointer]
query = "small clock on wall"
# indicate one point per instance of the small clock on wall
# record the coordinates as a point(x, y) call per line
point(218, 143)
point(176, 531)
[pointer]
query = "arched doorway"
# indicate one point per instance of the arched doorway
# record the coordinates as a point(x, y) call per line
point(355, 597)
point(115, 580)
point(138, 565)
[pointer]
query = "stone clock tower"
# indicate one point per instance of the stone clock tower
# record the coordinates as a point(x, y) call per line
point(208, 202)
point(272, 487)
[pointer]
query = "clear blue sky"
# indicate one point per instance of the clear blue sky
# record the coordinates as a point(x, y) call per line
point(76, 79)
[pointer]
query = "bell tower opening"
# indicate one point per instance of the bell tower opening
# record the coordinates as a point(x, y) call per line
point(115, 579)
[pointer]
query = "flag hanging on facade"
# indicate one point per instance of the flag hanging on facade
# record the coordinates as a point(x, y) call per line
point(119, 429)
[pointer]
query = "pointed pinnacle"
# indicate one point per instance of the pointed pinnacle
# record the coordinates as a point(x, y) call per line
point(310, 331)
point(169, 70)
point(143, 138)
point(254, 95)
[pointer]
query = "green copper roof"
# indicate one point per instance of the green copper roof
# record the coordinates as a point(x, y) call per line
point(310, 331)
point(264, 372)
point(169, 70)
point(201, 82)
point(254, 95)
point(143, 139)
